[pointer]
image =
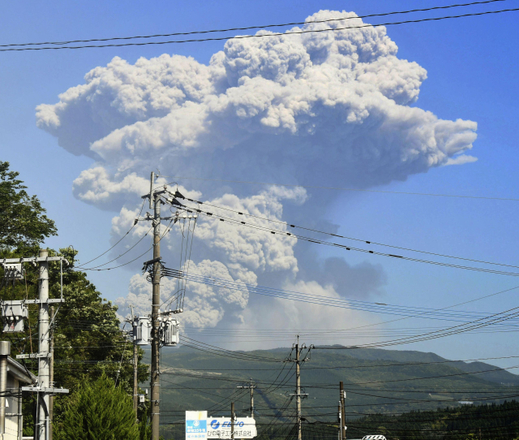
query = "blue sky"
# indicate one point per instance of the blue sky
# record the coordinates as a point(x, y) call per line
point(471, 75)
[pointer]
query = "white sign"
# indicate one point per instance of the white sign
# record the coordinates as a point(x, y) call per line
point(196, 425)
point(220, 427)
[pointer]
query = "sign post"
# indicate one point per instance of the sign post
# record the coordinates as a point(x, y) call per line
point(196, 425)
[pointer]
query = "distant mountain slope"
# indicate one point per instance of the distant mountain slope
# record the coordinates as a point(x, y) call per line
point(376, 382)
point(489, 372)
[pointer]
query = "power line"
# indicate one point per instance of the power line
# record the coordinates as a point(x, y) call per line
point(119, 256)
point(355, 367)
point(429, 313)
point(336, 188)
point(225, 38)
point(449, 331)
point(356, 249)
point(223, 352)
point(167, 229)
point(246, 28)
point(118, 241)
point(370, 242)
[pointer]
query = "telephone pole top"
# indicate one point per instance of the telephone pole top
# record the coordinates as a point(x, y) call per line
point(250, 386)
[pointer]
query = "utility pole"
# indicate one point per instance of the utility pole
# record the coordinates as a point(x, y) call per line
point(342, 404)
point(250, 386)
point(232, 420)
point(339, 417)
point(135, 375)
point(155, 203)
point(5, 350)
point(51, 402)
point(168, 337)
point(299, 349)
point(298, 390)
point(44, 387)
point(44, 349)
point(135, 380)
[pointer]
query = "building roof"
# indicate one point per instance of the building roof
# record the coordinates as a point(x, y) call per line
point(19, 371)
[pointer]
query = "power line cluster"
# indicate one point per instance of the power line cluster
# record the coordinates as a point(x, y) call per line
point(315, 240)
point(153, 39)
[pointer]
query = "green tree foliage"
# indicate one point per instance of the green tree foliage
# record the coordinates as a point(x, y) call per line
point(470, 422)
point(488, 422)
point(88, 339)
point(24, 224)
point(99, 411)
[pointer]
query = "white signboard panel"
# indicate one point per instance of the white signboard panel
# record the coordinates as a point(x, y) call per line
point(196, 425)
point(220, 427)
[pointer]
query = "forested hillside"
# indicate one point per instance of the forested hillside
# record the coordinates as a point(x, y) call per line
point(380, 385)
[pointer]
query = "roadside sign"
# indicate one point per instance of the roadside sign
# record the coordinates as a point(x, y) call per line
point(196, 425)
point(220, 427)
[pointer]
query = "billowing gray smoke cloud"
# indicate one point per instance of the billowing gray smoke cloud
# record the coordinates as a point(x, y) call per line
point(331, 108)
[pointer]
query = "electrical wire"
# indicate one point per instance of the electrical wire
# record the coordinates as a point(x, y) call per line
point(56, 46)
point(167, 229)
point(119, 256)
point(223, 352)
point(370, 242)
point(337, 302)
point(118, 241)
point(352, 248)
point(449, 331)
point(356, 367)
point(246, 28)
point(334, 188)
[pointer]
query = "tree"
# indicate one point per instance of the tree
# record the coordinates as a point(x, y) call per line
point(24, 224)
point(88, 340)
point(99, 411)
point(87, 334)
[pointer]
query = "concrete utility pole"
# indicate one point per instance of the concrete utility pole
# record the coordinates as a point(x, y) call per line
point(44, 349)
point(339, 417)
point(155, 306)
point(298, 390)
point(342, 403)
point(250, 386)
point(232, 420)
point(51, 378)
point(5, 350)
point(135, 380)
point(299, 349)
point(135, 375)
point(44, 387)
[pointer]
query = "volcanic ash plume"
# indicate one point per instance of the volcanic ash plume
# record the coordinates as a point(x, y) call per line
point(327, 108)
